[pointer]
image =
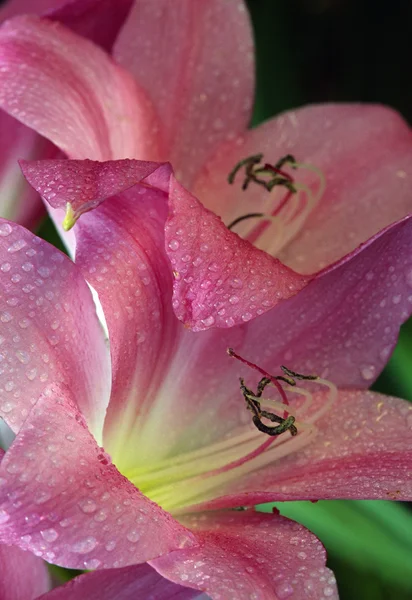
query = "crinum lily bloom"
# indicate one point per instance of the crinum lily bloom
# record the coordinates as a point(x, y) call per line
point(185, 94)
point(140, 458)
point(98, 20)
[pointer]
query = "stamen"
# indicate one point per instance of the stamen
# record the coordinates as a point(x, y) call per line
point(280, 225)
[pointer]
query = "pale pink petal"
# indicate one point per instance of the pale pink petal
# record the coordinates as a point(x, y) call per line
point(63, 499)
point(363, 450)
point(247, 555)
point(130, 583)
point(220, 279)
point(364, 151)
point(70, 91)
point(49, 330)
point(195, 61)
point(23, 576)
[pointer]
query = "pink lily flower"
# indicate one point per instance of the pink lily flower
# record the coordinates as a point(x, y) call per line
point(138, 458)
point(197, 120)
point(94, 19)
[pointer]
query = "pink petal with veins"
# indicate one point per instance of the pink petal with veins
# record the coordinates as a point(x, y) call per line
point(363, 150)
point(361, 451)
point(195, 62)
point(49, 330)
point(129, 583)
point(220, 279)
point(248, 554)
point(84, 89)
point(23, 575)
point(133, 279)
point(64, 500)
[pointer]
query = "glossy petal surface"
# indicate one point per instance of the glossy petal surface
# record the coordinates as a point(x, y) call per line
point(365, 154)
point(64, 500)
point(362, 451)
point(23, 575)
point(93, 109)
point(195, 62)
point(244, 555)
point(129, 583)
point(220, 279)
point(49, 330)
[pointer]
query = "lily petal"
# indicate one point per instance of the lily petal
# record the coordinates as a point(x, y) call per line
point(221, 280)
point(97, 20)
point(195, 62)
point(365, 153)
point(18, 201)
point(23, 575)
point(362, 451)
point(129, 583)
point(49, 330)
point(249, 554)
point(83, 87)
point(84, 184)
point(62, 499)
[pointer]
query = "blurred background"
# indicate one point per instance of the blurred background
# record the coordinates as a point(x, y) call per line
point(330, 51)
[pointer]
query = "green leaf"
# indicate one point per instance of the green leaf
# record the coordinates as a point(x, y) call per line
point(373, 536)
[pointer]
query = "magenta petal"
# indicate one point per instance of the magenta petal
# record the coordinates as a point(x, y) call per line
point(81, 100)
point(62, 499)
point(363, 450)
point(86, 183)
point(251, 555)
point(139, 582)
point(195, 61)
point(23, 576)
point(220, 279)
point(49, 330)
point(344, 324)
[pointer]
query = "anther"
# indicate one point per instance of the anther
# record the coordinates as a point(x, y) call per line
point(278, 177)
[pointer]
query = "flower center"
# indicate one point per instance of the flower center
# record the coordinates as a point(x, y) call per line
point(289, 202)
point(189, 478)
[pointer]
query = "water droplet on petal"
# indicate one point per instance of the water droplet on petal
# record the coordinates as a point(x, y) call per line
point(91, 564)
point(84, 546)
point(133, 536)
point(283, 590)
point(5, 229)
point(174, 245)
point(87, 505)
point(368, 372)
point(49, 535)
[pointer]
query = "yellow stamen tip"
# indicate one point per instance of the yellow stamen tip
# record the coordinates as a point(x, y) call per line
point(70, 217)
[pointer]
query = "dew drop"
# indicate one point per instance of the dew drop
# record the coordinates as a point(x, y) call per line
point(5, 229)
point(208, 321)
point(87, 505)
point(91, 564)
point(49, 535)
point(368, 372)
point(16, 246)
point(328, 591)
point(283, 590)
point(84, 546)
point(174, 245)
point(133, 536)
point(4, 516)
point(22, 356)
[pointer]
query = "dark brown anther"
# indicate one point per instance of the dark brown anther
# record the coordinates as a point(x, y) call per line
point(277, 177)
